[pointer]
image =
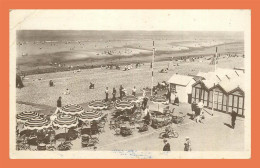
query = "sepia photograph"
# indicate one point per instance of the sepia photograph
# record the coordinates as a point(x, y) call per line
point(130, 84)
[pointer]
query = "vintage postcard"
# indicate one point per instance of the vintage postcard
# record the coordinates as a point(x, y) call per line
point(130, 84)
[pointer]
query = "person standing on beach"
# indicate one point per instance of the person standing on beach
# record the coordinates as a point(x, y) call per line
point(58, 105)
point(144, 94)
point(106, 92)
point(120, 91)
point(59, 102)
point(134, 91)
point(114, 94)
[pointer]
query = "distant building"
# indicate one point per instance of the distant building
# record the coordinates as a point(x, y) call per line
point(182, 84)
point(228, 88)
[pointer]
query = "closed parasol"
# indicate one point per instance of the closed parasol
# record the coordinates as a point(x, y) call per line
point(72, 109)
point(97, 105)
point(37, 123)
point(26, 115)
point(124, 105)
point(90, 115)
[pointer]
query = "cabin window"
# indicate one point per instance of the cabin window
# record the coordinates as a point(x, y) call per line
point(224, 102)
point(205, 102)
point(230, 103)
point(210, 99)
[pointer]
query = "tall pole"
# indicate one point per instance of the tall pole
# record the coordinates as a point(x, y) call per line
point(152, 70)
point(215, 67)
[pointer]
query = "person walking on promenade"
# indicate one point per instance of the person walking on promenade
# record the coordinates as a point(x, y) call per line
point(169, 96)
point(187, 144)
point(167, 146)
point(233, 119)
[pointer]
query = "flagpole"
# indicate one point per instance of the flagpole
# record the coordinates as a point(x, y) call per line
point(215, 67)
point(152, 70)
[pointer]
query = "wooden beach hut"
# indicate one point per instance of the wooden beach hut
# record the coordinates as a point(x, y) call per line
point(227, 87)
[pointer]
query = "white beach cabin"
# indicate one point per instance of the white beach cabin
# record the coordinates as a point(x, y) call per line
point(182, 84)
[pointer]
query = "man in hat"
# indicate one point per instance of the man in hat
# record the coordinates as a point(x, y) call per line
point(187, 144)
point(167, 146)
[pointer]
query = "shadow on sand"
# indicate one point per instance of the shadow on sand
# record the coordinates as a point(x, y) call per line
point(228, 125)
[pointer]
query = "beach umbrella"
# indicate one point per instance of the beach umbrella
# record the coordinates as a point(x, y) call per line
point(26, 115)
point(159, 100)
point(37, 123)
point(72, 109)
point(131, 98)
point(90, 115)
point(124, 105)
point(97, 105)
point(65, 121)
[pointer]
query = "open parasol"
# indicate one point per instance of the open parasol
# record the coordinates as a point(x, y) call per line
point(97, 105)
point(72, 109)
point(37, 123)
point(124, 105)
point(90, 115)
point(26, 115)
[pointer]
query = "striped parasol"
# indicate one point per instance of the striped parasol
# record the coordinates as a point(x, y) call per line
point(26, 115)
point(72, 109)
point(90, 115)
point(65, 121)
point(131, 98)
point(97, 105)
point(37, 123)
point(124, 105)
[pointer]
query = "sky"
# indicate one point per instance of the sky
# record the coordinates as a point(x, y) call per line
point(171, 20)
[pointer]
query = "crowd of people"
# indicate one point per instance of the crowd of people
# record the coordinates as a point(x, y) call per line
point(197, 109)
